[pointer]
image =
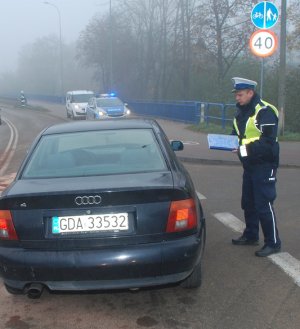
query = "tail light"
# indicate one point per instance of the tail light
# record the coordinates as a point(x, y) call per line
point(7, 229)
point(182, 216)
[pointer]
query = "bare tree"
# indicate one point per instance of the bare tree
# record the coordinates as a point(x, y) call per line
point(168, 39)
point(150, 21)
point(38, 67)
point(187, 11)
point(94, 50)
point(294, 26)
point(225, 30)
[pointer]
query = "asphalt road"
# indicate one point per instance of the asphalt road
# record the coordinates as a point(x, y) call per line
point(239, 290)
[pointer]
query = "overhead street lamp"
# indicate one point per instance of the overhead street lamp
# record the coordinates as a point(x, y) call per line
point(60, 47)
point(282, 69)
point(110, 82)
point(111, 48)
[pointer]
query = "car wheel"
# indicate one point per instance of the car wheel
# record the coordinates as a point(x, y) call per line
point(203, 238)
point(13, 291)
point(195, 279)
point(68, 116)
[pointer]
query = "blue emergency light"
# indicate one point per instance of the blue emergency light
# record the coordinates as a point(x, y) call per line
point(108, 95)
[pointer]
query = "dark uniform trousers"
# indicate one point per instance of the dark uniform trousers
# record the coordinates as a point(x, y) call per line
point(258, 195)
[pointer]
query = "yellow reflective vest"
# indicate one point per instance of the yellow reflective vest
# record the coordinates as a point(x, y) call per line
point(252, 131)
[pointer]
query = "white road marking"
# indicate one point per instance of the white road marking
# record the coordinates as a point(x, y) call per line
point(231, 221)
point(11, 138)
point(289, 264)
point(201, 196)
point(11, 146)
point(190, 143)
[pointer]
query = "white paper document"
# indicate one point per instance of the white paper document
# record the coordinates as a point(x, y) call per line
point(222, 142)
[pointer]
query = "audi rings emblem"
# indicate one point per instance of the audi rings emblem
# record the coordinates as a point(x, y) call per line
point(87, 200)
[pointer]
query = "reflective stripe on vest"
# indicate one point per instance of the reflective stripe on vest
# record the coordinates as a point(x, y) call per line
point(252, 132)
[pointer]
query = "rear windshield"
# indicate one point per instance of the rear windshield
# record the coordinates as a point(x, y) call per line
point(81, 98)
point(95, 153)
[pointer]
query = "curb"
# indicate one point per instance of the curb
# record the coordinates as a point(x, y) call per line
point(208, 161)
point(225, 162)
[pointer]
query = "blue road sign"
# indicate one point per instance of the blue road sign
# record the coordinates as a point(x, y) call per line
point(264, 15)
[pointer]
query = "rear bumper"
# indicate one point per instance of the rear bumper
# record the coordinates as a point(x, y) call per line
point(123, 267)
point(103, 284)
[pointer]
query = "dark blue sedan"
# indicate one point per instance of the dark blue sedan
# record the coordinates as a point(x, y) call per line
point(101, 205)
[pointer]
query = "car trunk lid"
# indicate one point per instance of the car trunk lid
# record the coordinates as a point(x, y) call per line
point(144, 197)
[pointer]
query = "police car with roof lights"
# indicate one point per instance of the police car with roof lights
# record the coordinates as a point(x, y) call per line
point(106, 106)
point(76, 102)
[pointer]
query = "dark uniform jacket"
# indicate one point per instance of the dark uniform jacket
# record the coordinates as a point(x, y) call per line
point(266, 149)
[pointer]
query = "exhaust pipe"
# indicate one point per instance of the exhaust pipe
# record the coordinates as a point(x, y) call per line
point(35, 290)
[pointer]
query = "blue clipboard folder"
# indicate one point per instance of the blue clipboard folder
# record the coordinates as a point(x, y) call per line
point(222, 142)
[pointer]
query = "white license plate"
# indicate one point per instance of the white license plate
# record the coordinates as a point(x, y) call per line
point(90, 223)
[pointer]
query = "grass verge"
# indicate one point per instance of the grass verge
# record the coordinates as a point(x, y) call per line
point(16, 105)
point(217, 129)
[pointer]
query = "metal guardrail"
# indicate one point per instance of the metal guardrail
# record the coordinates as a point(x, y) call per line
point(177, 111)
point(194, 112)
point(217, 113)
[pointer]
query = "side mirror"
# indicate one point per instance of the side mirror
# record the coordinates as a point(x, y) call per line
point(177, 145)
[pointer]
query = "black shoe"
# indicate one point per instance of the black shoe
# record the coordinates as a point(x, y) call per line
point(267, 251)
point(243, 241)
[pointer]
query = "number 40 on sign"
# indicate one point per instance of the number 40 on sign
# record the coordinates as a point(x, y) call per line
point(263, 43)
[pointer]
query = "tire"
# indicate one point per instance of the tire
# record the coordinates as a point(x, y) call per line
point(13, 291)
point(203, 239)
point(195, 279)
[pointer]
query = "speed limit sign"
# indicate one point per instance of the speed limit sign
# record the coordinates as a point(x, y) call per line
point(263, 43)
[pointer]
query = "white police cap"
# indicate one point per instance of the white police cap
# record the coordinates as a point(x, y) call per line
point(241, 83)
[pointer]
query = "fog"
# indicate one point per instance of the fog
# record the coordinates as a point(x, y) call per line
point(24, 21)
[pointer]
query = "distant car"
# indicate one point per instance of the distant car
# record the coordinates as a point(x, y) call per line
point(76, 102)
point(101, 205)
point(106, 106)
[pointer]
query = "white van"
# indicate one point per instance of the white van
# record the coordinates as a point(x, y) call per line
point(76, 102)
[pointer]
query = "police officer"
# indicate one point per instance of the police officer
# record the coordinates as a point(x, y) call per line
point(256, 124)
point(23, 98)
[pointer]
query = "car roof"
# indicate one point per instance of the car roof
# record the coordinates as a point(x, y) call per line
point(80, 92)
point(81, 126)
point(106, 97)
